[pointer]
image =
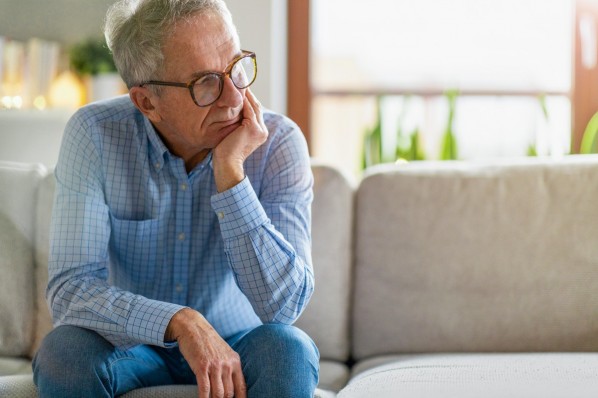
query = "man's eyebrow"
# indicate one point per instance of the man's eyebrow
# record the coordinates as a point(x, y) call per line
point(201, 73)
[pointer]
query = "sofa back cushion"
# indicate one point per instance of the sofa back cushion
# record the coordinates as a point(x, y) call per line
point(43, 214)
point(326, 318)
point(18, 184)
point(456, 256)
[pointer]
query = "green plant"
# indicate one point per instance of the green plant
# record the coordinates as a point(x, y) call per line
point(531, 149)
point(372, 145)
point(415, 150)
point(588, 141)
point(91, 57)
point(408, 145)
point(448, 149)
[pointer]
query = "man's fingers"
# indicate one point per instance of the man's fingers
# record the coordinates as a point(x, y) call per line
point(248, 111)
point(227, 383)
point(257, 108)
point(249, 108)
point(255, 103)
point(216, 386)
point(221, 383)
point(203, 385)
point(240, 386)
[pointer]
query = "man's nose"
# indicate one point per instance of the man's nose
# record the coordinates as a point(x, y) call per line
point(231, 96)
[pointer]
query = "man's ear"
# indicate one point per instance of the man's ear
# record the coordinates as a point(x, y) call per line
point(144, 100)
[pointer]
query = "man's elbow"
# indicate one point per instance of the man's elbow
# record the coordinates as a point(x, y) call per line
point(290, 310)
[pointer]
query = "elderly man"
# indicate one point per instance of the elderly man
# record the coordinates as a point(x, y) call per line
point(180, 248)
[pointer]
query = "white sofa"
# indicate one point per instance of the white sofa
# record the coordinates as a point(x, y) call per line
point(433, 279)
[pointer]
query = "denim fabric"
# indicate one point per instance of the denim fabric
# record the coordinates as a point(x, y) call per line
point(277, 360)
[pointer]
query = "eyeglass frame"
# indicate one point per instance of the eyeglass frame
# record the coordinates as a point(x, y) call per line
point(227, 71)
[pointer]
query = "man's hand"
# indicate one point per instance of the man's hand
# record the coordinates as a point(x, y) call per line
point(230, 154)
point(217, 367)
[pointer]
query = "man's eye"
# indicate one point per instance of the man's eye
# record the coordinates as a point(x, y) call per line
point(207, 81)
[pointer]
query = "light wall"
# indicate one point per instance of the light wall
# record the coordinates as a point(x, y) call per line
point(261, 25)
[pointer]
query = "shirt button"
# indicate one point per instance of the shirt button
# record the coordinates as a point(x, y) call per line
point(181, 236)
point(183, 186)
point(220, 215)
point(157, 165)
point(179, 287)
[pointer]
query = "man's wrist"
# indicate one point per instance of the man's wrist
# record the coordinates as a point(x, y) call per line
point(186, 321)
point(175, 325)
point(228, 175)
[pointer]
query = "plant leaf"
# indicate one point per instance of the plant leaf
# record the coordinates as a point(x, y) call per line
point(588, 142)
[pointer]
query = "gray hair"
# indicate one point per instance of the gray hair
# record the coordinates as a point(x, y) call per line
point(136, 30)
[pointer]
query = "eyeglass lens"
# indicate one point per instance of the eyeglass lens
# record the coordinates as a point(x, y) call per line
point(207, 89)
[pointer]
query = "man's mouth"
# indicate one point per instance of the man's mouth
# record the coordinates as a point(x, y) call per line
point(229, 126)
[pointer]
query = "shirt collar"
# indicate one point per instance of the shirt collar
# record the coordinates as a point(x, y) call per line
point(157, 149)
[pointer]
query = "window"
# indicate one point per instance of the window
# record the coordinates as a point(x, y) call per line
point(510, 62)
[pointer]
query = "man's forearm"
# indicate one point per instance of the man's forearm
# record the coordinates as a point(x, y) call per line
point(122, 318)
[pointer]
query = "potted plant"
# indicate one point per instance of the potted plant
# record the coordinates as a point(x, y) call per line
point(92, 60)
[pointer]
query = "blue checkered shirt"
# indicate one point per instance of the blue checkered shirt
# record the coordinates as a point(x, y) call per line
point(135, 238)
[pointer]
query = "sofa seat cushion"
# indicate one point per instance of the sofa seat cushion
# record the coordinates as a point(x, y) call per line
point(476, 375)
point(16, 381)
point(333, 375)
point(17, 386)
point(21, 386)
point(14, 366)
point(190, 391)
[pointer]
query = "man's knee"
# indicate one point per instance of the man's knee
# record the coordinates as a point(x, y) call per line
point(281, 359)
point(70, 358)
point(289, 341)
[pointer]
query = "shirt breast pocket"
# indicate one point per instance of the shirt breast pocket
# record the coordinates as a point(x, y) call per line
point(136, 251)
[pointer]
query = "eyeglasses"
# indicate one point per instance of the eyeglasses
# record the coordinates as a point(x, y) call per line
point(207, 87)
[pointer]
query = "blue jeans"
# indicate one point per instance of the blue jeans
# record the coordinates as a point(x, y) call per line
point(277, 361)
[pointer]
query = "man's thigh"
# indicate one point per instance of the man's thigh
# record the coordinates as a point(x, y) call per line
point(73, 361)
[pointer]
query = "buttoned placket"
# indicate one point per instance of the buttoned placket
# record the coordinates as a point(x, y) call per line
point(183, 217)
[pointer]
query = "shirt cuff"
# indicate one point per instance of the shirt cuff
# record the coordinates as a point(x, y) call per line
point(238, 209)
point(149, 319)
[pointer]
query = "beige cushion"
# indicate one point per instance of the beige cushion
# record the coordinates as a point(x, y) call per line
point(18, 386)
point(333, 375)
point(188, 391)
point(21, 386)
point(326, 318)
point(18, 184)
point(14, 366)
point(525, 375)
point(45, 203)
point(456, 256)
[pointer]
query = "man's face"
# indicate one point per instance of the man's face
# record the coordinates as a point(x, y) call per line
point(204, 43)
